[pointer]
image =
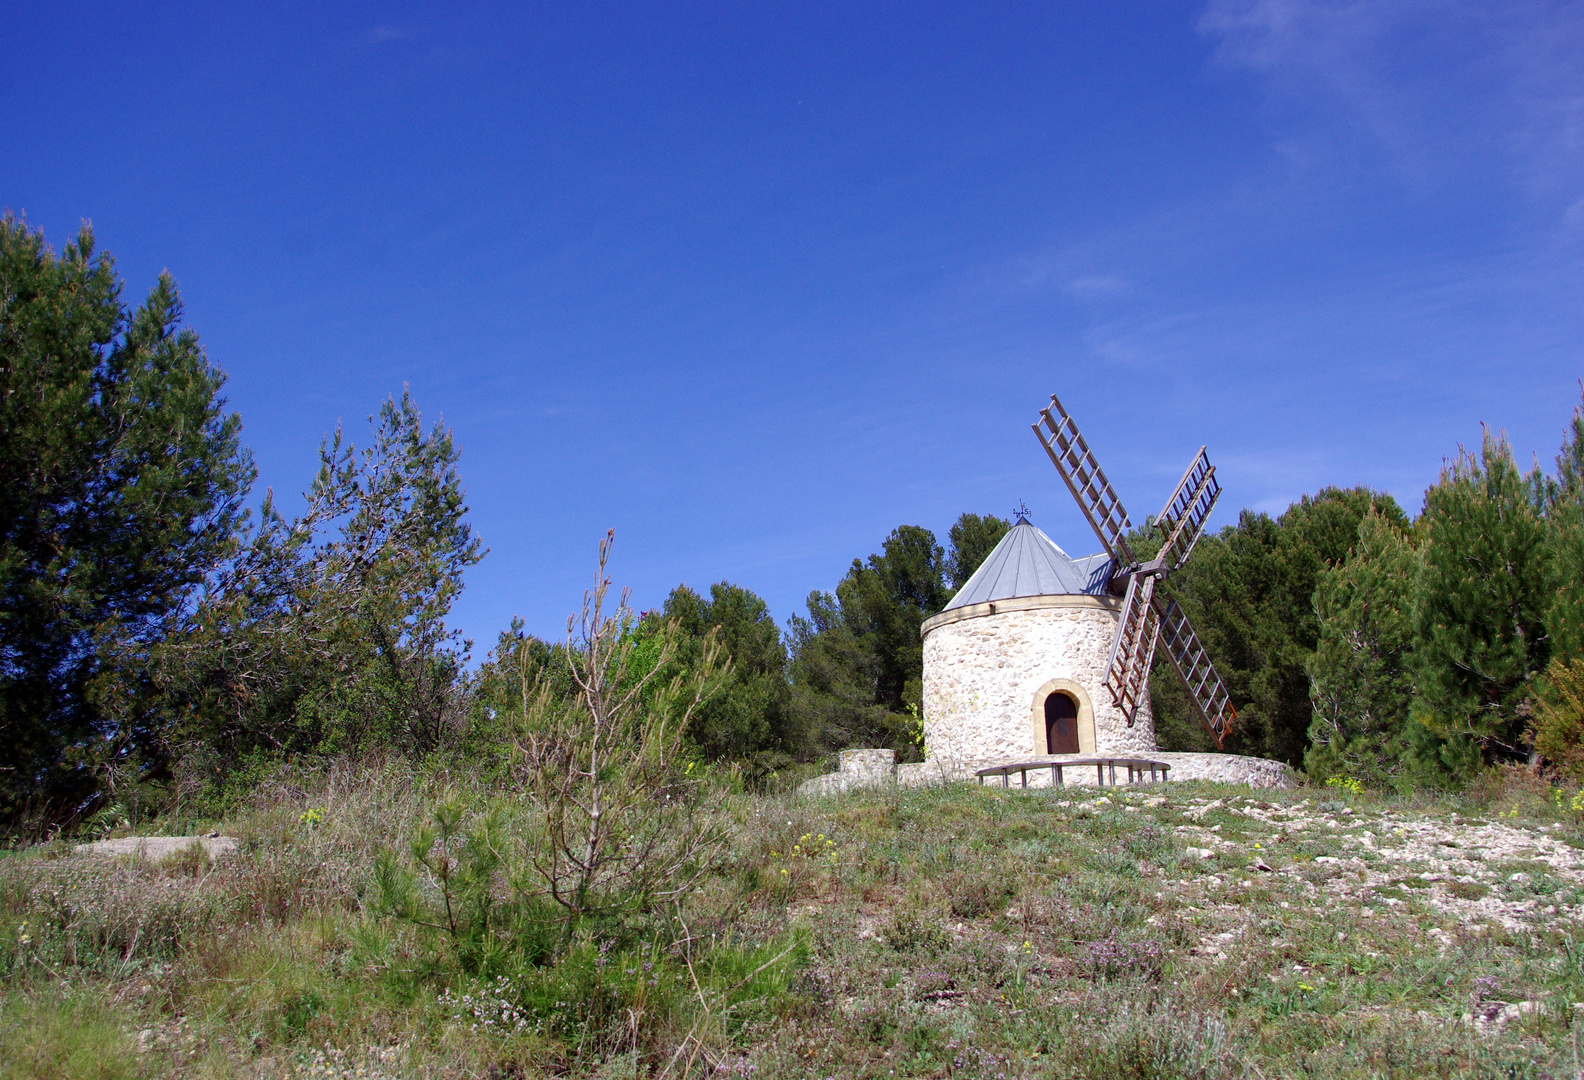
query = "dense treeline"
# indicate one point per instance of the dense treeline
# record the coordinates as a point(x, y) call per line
point(154, 634)
point(1359, 643)
point(849, 673)
point(157, 638)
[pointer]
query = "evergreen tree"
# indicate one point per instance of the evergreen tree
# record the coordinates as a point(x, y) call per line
point(1361, 683)
point(1565, 545)
point(887, 600)
point(1250, 593)
point(1558, 719)
point(501, 693)
point(1568, 486)
point(1479, 612)
point(1564, 616)
point(858, 658)
point(972, 539)
point(327, 633)
point(835, 673)
point(746, 719)
point(122, 481)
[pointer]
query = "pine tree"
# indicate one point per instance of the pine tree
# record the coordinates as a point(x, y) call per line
point(1361, 684)
point(1479, 613)
point(122, 481)
point(1565, 521)
point(327, 633)
point(746, 718)
point(1558, 721)
point(973, 538)
point(1250, 592)
point(857, 657)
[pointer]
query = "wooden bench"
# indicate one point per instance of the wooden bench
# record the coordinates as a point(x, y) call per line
point(1136, 767)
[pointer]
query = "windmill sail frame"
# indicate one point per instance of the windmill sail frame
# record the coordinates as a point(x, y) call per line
point(1150, 616)
point(1182, 520)
point(1086, 480)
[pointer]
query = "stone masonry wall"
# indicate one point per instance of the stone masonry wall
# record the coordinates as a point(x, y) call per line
point(855, 768)
point(981, 675)
point(985, 667)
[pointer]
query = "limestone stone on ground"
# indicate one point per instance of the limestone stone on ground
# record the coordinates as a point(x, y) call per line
point(159, 847)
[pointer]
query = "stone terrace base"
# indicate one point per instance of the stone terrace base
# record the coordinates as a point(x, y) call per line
point(874, 768)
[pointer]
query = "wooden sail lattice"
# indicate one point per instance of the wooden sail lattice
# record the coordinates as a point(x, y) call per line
point(1133, 647)
point(1149, 616)
point(1193, 666)
point(1182, 520)
point(1085, 479)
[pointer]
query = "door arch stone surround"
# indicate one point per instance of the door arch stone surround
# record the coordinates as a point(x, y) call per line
point(1086, 725)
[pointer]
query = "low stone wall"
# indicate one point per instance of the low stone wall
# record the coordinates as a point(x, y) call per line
point(874, 768)
point(1229, 769)
point(1222, 768)
point(857, 768)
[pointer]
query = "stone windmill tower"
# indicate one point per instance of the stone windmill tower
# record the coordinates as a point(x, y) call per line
point(1043, 654)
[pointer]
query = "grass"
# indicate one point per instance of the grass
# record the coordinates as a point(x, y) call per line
point(957, 932)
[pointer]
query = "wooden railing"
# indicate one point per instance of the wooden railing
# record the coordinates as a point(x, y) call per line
point(1136, 768)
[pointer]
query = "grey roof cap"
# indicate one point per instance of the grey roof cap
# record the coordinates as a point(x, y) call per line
point(1028, 563)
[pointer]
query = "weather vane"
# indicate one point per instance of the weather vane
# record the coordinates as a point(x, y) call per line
point(1021, 513)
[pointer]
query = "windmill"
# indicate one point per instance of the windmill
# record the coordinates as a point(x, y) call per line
point(1150, 615)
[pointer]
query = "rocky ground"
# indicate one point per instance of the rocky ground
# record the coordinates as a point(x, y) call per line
point(1184, 930)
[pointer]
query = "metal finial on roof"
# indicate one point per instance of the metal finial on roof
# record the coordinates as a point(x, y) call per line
point(1021, 513)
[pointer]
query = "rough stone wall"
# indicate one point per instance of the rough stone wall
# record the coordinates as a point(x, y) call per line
point(1221, 768)
point(868, 768)
point(855, 768)
point(981, 675)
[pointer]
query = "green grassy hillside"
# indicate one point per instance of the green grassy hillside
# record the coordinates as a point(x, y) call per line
point(1180, 931)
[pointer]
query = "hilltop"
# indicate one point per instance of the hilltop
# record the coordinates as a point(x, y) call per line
point(1186, 930)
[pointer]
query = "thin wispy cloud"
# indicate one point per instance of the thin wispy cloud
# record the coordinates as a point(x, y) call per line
point(1285, 308)
point(1438, 86)
point(380, 35)
point(1097, 287)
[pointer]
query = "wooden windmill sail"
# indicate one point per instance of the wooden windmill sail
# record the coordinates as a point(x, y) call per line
point(1150, 616)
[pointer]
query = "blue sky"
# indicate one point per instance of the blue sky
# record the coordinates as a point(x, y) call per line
point(755, 283)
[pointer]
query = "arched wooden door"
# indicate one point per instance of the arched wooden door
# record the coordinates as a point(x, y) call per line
point(1061, 724)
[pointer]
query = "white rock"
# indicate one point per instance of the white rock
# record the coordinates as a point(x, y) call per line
point(158, 847)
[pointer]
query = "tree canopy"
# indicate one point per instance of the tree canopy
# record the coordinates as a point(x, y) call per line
point(1249, 590)
point(327, 632)
point(858, 661)
point(122, 482)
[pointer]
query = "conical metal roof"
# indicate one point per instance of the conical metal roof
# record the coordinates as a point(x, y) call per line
point(1028, 563)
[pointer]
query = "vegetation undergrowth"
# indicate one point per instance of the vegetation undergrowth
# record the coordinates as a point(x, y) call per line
point(1187, 930)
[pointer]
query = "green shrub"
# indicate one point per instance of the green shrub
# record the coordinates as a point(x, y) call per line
point(914, 931)
point(1558, 723)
